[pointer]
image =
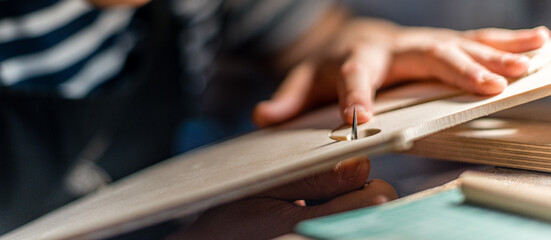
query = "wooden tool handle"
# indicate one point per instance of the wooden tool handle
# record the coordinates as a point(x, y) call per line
point(521, 198)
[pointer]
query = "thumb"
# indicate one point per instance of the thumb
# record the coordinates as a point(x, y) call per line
point(289, 100)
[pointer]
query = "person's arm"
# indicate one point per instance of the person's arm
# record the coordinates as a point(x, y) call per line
point(348, 58)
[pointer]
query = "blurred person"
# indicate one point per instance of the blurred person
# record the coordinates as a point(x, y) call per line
point(87, 99)
point(89, 92)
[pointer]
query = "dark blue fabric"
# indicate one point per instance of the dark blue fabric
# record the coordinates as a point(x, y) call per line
point(49, 83)
point(15, 8)
point(36, 44)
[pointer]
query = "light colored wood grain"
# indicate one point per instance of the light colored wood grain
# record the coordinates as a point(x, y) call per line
point(413, 94)
point(522, 198)
point(492, 141)
point(260, 160)
point(503, 175)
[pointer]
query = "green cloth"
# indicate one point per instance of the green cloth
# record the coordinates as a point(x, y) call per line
point(441, 216)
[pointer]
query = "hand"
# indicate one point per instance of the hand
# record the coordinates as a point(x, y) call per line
point(366, 54)
point(276, 212)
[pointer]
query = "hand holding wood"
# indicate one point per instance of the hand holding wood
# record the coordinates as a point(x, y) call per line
point(275, 212)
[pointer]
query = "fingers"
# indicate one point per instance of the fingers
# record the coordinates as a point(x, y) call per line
point(346, 176)
point(511, 40)
point(251, 218)
point(500, 62)
point(266, 218)
point(289, 100)
point(362, 73)
point(275, 213)
point(455, 67)
point(375, 192)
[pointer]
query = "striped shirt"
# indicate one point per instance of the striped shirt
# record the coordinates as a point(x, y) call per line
point(69, 48)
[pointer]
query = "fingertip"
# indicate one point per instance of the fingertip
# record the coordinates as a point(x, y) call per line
point(275, 111)
point(380, 199)
point(376, 192)
point(385, 191)
point(363, 115)
point(491, 84)
point(541, 36)
point(300, 203)
point(534, 39)
point(263, 114)
point(515, 65)
point(543, 32)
